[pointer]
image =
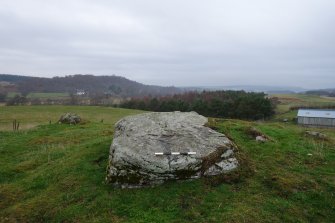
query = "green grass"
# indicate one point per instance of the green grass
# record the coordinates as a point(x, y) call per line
point(55, 173)
point(54, 95)
point(31, 116)
point(48, 95)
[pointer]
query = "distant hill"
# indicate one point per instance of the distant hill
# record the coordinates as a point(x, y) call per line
point(330, 92)
point(12, 78)
point(251, 88)
point(90, 84)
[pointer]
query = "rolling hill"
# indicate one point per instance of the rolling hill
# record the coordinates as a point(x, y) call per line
point(114, 85)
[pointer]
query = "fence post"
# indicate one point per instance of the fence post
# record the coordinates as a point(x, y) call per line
point(16, 125)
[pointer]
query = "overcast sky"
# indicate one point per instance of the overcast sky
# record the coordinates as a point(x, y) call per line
point(175, 42)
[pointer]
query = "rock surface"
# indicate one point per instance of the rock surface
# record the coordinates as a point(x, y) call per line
point(132, 160)
point(69, 118)
point(318, 135)
point(261, 139)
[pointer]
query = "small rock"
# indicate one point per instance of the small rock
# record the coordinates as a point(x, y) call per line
point(261, 139)
point(69, 118)
point(318, 135)
point(309, 154)
point(285, 120)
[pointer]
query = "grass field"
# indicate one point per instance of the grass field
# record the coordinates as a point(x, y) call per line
point(41, 95)
point(289, 100)
point(31, 116)
point(55, 173)
point(48, 95)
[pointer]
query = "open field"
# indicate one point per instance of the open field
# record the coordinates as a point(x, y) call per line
point(289, 100)
point(41, 95)
point(55, 173)
point(31, 116)
point(48, 95)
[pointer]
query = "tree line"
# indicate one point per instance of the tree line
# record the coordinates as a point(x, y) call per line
point(72, 99)
point(224, 104)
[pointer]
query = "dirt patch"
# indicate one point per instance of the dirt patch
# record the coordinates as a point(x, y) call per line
point(9, 195)
point(23, 126)
point(27, 165)
point(285, 186)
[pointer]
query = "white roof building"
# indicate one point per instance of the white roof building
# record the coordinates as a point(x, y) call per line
point(316, 117)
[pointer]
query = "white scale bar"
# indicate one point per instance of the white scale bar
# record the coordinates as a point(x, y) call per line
point(176, 153)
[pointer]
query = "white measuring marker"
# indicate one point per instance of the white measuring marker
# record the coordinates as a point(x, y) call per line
point(176, 153)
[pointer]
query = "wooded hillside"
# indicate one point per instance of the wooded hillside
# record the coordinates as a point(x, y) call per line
point(227, 104)
point(113, 85)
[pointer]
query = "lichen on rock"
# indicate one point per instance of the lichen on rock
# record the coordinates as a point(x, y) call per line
point(132, 159)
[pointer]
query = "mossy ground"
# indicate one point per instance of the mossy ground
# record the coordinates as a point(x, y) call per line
point(56, 173)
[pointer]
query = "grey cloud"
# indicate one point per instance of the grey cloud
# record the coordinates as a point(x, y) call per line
point(173, 42)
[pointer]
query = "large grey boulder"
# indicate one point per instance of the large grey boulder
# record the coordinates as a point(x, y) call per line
point(132, 159)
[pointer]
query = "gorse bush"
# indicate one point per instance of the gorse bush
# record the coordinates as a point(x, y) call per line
point(225, 104)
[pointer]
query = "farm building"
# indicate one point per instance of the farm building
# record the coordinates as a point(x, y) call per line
point(314, 117)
